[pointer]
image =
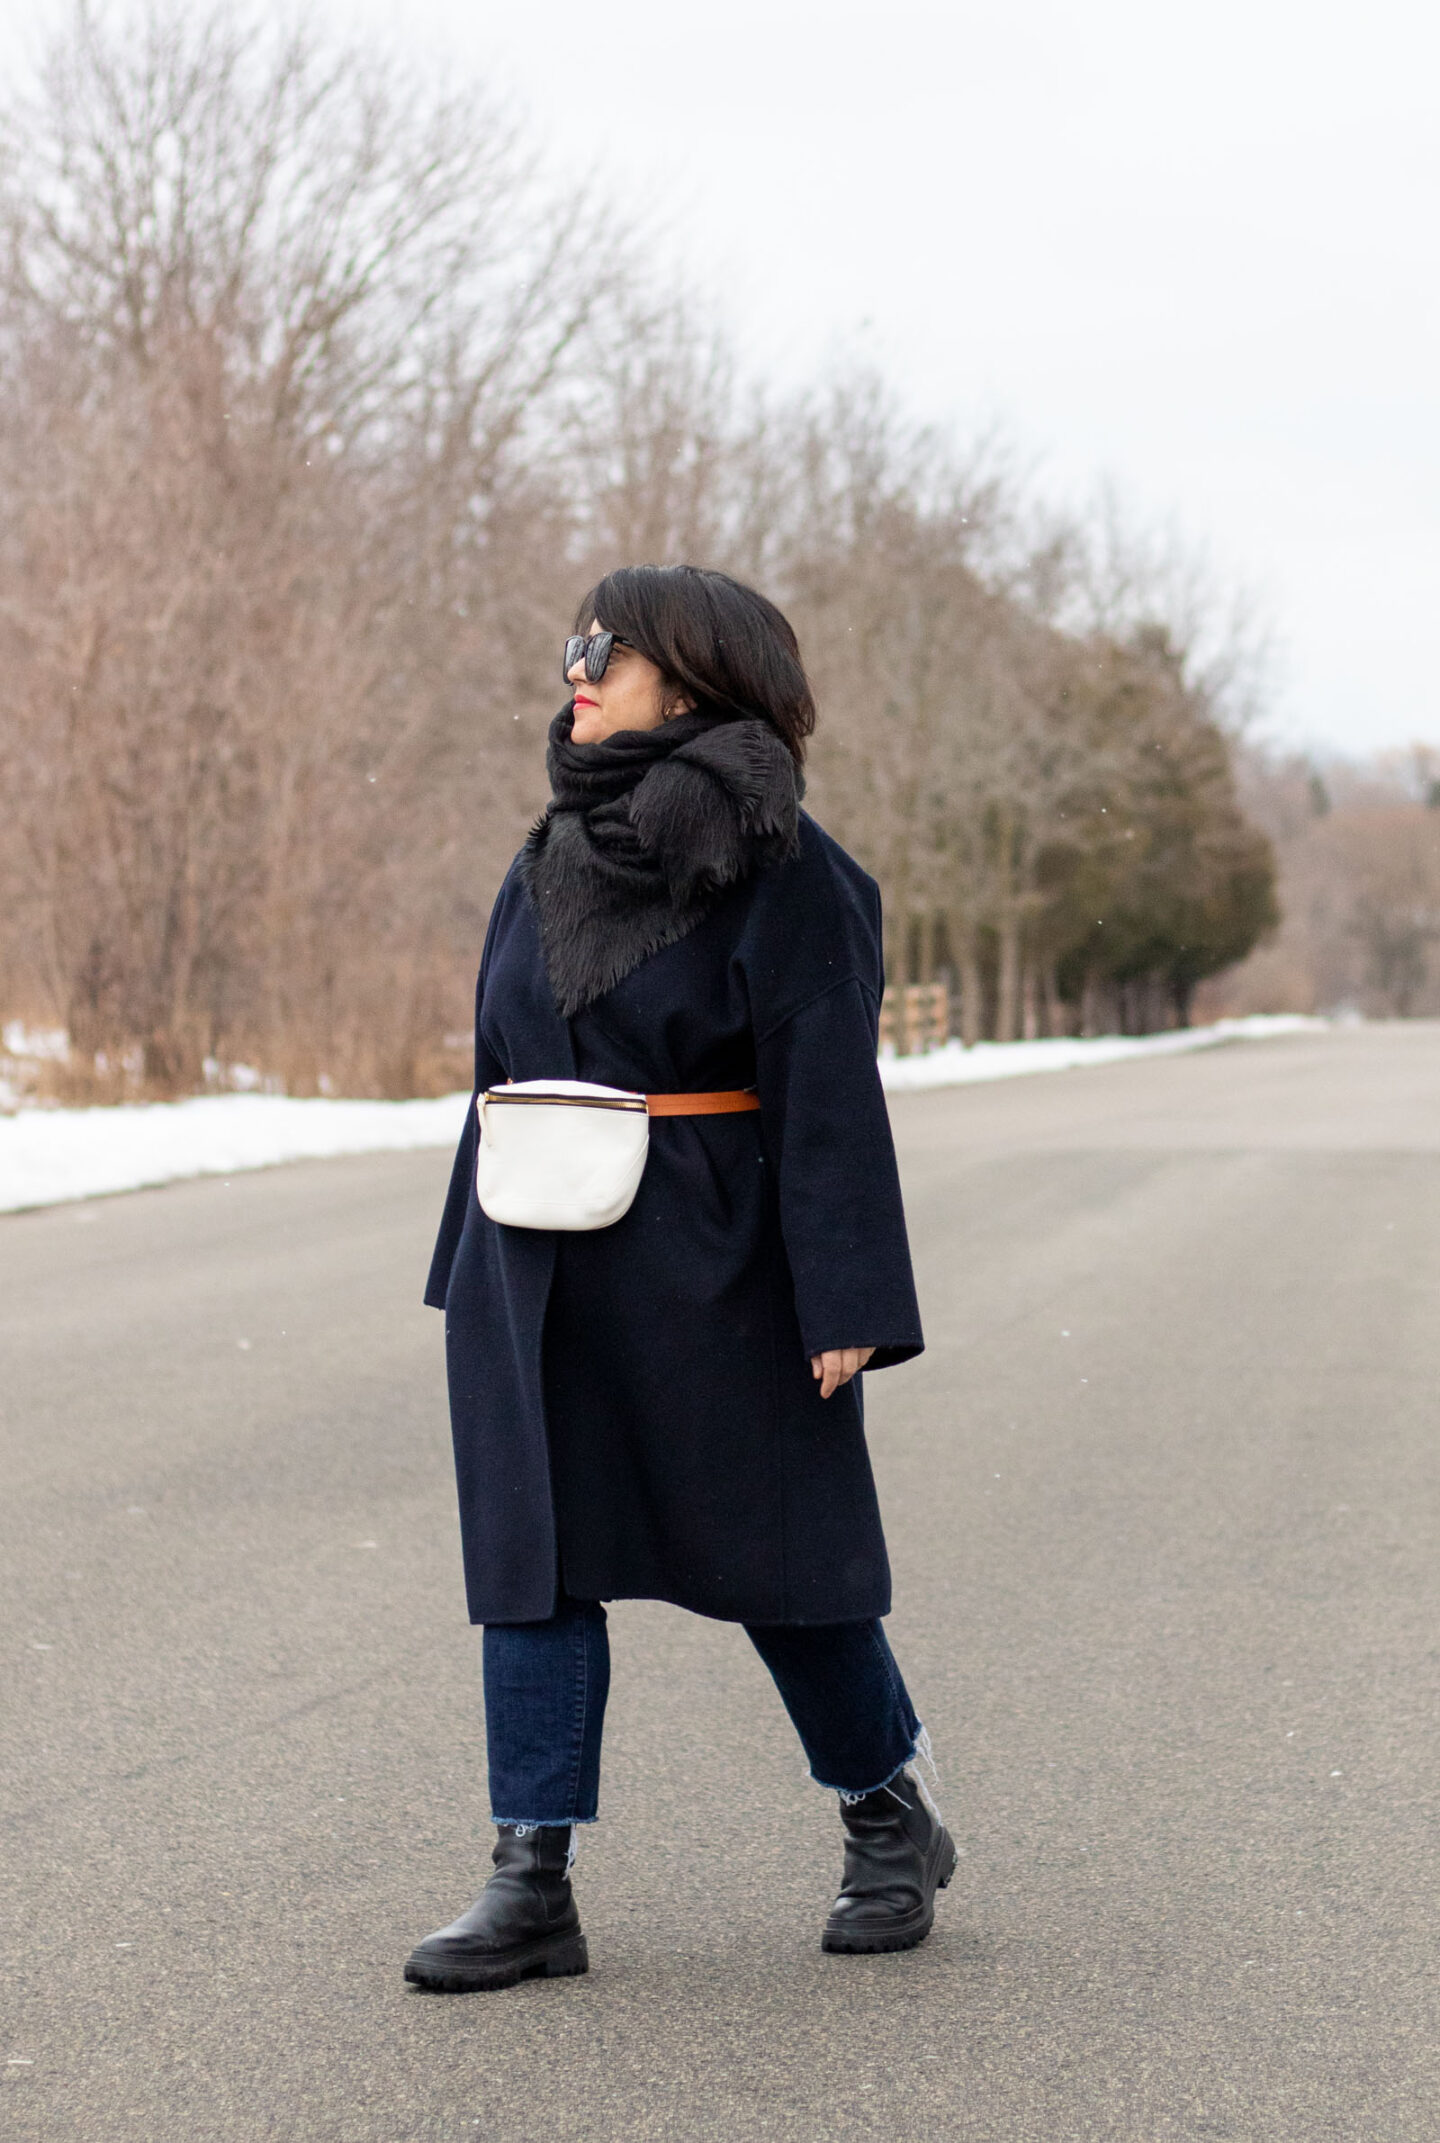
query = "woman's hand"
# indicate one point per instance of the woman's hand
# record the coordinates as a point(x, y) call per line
point(837, 1365)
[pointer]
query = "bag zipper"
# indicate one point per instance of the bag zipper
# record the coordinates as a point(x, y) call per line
point(560, 1101)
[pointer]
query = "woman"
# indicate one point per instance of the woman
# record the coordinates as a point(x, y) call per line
point(667, 1408)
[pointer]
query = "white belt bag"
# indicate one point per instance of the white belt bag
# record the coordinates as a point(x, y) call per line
point(561, 1153)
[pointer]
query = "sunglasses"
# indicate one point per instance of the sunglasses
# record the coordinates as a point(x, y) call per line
point(596, 651)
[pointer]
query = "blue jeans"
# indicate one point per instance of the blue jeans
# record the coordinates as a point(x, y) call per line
point(546, 1685)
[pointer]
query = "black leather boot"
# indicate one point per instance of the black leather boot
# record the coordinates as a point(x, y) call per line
point(523, 1925)
point(897, 1855)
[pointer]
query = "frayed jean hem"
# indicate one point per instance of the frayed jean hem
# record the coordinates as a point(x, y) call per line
point(919, 1752)
point(542, 1822)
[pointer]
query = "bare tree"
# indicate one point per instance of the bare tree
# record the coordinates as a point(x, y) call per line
point(1359, 856)
point(284, 336)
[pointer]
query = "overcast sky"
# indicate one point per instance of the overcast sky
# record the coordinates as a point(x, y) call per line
point(1190, 248)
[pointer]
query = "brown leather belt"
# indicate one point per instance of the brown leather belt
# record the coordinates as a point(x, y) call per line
point(730, 1103)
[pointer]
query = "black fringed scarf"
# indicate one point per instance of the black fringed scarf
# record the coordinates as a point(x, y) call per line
point(642, 834)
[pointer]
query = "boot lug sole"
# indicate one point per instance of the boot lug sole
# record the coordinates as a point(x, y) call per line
point(550, 1957)
point(881, 1944)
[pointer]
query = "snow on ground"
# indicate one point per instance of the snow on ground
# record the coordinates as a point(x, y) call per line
point(955, 1065)
point(50, 1155)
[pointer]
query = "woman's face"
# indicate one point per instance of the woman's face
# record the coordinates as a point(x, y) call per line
point(631, 695)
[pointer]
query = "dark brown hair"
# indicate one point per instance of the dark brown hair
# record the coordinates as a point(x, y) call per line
point(722, 644)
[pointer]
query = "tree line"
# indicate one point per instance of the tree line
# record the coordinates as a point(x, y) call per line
point(1357, 845)
point(319, 403)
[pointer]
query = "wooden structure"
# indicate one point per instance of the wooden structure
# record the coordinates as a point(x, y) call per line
point(915, 1018)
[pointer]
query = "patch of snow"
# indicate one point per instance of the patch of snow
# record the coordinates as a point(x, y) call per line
point(955, 1065)
point(239, 1079)
point(48, 1156)
point(51, 1043)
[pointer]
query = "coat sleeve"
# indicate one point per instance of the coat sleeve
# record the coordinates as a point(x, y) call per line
point(827, 1132)
point(462, 1175)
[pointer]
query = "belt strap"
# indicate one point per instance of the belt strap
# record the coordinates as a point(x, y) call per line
point(732, 1103)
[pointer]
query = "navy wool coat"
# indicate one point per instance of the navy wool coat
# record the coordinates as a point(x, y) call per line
point(633, 1409)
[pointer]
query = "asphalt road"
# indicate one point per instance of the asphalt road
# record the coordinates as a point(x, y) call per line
point(1164, 1505)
